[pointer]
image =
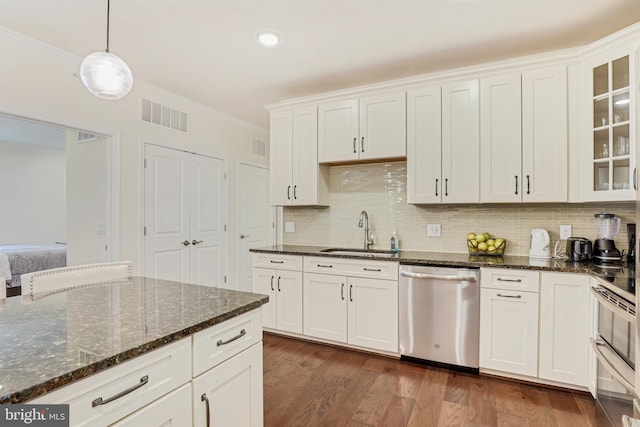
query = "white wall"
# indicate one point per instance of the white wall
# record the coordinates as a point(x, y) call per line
point(32, 194)
point(41, 82)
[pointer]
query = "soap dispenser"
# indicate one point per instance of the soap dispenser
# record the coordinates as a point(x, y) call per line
point(394, 242)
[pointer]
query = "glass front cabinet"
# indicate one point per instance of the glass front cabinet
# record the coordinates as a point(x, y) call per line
point(608, 132)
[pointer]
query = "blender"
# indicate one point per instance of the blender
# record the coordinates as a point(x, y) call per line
point(604, 248)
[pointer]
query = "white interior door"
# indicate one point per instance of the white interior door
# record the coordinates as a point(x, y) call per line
point(208, 218)
point(255, 219)
point(166, 210)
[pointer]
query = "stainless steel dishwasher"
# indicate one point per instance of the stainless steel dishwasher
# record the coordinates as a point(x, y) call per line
point(439, 311)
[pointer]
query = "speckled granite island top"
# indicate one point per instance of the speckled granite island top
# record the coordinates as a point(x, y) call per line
point(61, 338)
point(622, 275)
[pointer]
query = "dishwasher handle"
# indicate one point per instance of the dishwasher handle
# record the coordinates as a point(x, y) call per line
point(438, 276)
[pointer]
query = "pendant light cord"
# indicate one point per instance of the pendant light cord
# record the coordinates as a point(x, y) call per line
point(108, 7)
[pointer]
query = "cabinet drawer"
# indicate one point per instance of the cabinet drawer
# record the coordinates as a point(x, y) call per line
point(166, 369)
point(280, 262)
point(221, 342)
point(352, 267)
point(174, 409)
point(517, 280)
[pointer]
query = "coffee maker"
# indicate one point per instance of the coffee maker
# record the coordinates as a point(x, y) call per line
point(604, 248)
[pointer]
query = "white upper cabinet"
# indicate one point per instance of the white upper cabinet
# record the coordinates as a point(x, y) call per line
point(524, 136)
point(608, 127)
point(443, 143)
point(295, 177)
point(460, 143)
point(369, 128)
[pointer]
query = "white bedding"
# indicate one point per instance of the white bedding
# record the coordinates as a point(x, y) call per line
point(5, 268)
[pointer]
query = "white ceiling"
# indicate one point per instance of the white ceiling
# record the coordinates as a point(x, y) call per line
point(206, 50)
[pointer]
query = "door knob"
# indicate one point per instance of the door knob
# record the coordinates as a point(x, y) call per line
point(195, 242)
point(186, 243)
point(243, 236)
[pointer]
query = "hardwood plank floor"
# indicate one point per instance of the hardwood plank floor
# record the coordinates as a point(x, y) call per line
point(308, 384)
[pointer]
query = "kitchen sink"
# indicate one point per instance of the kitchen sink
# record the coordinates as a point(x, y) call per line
point(360, 252)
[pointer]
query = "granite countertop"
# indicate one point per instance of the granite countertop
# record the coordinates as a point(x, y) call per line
point(58, 339)
point(622, 276)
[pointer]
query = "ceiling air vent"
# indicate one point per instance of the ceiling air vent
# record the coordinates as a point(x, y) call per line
point(86, 137)
point(258, 147)
point(161, 115)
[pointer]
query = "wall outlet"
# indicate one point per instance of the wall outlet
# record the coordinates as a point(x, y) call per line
point(565, 232)
point(433, 230)
point(289, 227)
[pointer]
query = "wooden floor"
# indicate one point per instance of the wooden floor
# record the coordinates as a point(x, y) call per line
point(307, 384)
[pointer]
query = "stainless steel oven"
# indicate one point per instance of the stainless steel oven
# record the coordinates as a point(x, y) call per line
point(614, 346)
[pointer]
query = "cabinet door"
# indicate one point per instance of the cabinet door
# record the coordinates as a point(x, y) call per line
point(325, 306)
point(373, 313)
point(460, 142)
point(608, 127)
point(383, 126)
point(174, 409)
point(306, 180)
point(281, 157)
point(500, 139)
point(232, 391)
point(564, 328)
point(424, 150)
point(289, 301)
point(264, 282)
point(544, 135)
point(509, 331)
point(338, 131)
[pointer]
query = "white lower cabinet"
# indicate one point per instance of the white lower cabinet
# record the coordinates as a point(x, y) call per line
point(509, 331)
point(359, 311)
point(564, 328)
point(174, 409)
point(284, 309)
point(231, 393)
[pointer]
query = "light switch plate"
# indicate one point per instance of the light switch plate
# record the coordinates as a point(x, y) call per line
point(289, 227)
point(433, 230)
point(565, 232)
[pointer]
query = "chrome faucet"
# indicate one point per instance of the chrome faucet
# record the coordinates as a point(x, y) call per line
point(364, 218)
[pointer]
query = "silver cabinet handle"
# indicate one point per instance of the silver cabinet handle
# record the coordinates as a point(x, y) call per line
point(446, 187)
point(371, 269)
point(342, 292)
point(272, 284)
point(196, 242)
point(276, 262)
point(635, 178)
point(354, 145)
point(516, 184)
point(500, 279)
point(295, 195)
point(289, 192)
point(362, 144)
point(509, 296)
point(205, 399)
point(351, 293)
point(279, 283)
point(99, 401)
point(325, 265)
point(528, 185)
point(436, 187)
point(240, 335)
point(244, 236)
point(186, 243)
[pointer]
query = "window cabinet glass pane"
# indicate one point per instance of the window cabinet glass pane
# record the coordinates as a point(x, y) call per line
point(601, 176)
point(621, 107)
point(620, 174)
point(601, 144)
point(621, 73)
point(601, 80)
point(600, 112)
point(620, 141)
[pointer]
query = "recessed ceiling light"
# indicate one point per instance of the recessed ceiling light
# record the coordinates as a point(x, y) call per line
point(268, 39)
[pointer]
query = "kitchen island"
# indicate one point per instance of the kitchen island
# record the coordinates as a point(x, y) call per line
point(68, 338)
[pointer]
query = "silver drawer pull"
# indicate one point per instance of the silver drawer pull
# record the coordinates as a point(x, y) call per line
point(99, 401)
point(325, 266)
point(371, 269)
point(500, 279)
point(276, 262)
point(509, 296)
point(205, 399)
point(240, 335)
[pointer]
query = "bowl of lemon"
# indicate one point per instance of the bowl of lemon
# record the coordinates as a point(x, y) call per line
point(485, 244)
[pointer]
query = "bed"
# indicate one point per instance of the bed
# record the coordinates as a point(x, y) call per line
point(15, 260)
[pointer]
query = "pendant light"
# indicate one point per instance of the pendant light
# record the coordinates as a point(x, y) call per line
point(104, 74)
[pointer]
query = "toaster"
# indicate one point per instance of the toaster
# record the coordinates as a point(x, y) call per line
point(579, 249)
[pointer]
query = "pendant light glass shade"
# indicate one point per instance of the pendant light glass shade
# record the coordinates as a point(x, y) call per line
point(106, 75)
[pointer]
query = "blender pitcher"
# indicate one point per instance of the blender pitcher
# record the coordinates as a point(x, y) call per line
point(604, 248)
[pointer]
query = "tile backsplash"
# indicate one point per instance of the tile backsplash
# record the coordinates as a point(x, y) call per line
point(380, 189)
